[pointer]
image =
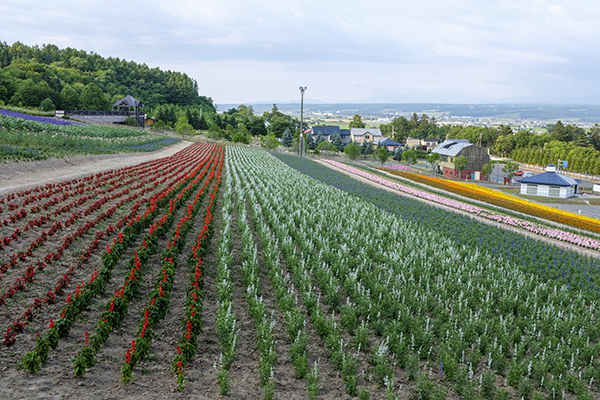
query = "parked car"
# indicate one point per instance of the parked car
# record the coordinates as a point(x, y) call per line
point(527, 174)
point(518, 173)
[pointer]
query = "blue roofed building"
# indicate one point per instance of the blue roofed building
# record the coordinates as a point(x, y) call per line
point(392, 145)
point(550, 184)
point(329, 131)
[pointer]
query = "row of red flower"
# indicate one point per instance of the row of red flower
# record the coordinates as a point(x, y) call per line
point(159, 178)
point(135, 223)
point(187, 347)
point(116, 309)
point(160, 295)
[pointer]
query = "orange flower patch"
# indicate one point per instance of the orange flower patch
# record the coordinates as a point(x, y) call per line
point(492, 196)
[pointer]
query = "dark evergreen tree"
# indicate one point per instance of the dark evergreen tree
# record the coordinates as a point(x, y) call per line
point(310, 142)
point(287, 138)
point(202, 125)
point(193, 119)
point(320, 139)
point(257, 127)
point(337, 142)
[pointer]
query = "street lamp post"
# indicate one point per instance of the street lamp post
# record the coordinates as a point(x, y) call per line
point(302, 90)
point(497, 170)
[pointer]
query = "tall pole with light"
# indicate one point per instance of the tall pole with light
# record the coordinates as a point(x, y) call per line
point(302, 90)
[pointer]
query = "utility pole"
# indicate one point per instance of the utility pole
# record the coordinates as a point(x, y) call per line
point(302, 90)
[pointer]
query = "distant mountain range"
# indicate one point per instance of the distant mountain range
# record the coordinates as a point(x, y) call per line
point(570, 113)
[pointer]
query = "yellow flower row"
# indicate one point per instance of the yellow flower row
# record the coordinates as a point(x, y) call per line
point(504, 200)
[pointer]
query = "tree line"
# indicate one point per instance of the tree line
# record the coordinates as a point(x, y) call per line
point(51, 78)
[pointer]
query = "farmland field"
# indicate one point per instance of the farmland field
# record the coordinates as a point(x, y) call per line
point(226, 272)
point(27, 138)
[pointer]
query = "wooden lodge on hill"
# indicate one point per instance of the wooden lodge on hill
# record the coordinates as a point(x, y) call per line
point(452, 149)
point(121, 110)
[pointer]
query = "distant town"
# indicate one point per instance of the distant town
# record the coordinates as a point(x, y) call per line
point(529, 117)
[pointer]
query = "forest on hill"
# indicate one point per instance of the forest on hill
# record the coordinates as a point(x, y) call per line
point(50, 78)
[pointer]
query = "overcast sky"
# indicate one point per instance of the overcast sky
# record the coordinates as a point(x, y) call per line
point(459, 51)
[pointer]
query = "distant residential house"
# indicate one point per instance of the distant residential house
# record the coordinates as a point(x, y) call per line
point(392, 145)
point(426, 143)
point(429, 143)
point(412, 142)
point(360, 135)
point(550, 184)
point(329, 131)
point(452, 149)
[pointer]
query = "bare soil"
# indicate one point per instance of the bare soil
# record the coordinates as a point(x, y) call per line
point(24, 175)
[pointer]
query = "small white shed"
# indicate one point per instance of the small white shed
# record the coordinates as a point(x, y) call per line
point(550, 184)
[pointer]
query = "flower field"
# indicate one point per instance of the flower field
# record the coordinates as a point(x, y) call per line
point(9, 113)
point(29, 139)
point(504, 200)
point(229, 273)
point(553, 233)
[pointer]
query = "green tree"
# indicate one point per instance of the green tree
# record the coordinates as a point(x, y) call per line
point(505, 144)
point(410, 156)
point(356, 122)
point(352, 150)
point(326, 148)
point(319, 139)
point(279, 124)
point(487, 169)
point(336, 140)
point(594, 136)
point(92, 98)
point(193, 118)
point(398, 154)
point(460, 163)
point(182, 126)
point(382, 154)
point(47, 105)
point(366, 149)
point(434, 159)
point(510, 168)
point(69, 98)
point(241, 135)
point(256, 126)
point(286, 138)
point(310, 142)
point(269, 141)
point(559, 132)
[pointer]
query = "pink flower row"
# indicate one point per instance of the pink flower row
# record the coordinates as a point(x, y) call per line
point(516, 222)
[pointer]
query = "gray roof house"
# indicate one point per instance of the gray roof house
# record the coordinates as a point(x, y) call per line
point(361, 135)
point(452, 149)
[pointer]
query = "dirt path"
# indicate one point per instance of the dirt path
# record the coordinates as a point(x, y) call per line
point(24, 175)
point(555, 242)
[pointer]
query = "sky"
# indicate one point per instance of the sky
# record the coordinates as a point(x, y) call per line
point(393, 51)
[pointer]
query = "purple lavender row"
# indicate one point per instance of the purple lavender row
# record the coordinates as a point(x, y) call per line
point(46, 120)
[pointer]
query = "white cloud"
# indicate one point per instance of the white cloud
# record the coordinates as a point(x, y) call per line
point(430, 50)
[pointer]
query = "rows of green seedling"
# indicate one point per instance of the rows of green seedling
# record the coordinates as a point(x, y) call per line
point(294, 319)
point(192, 321)
point(160, 295)
point(258, 310)
point(301, 265)
point(225, 320)
point(116, 308)
point(458, 311)
point(85, 292)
